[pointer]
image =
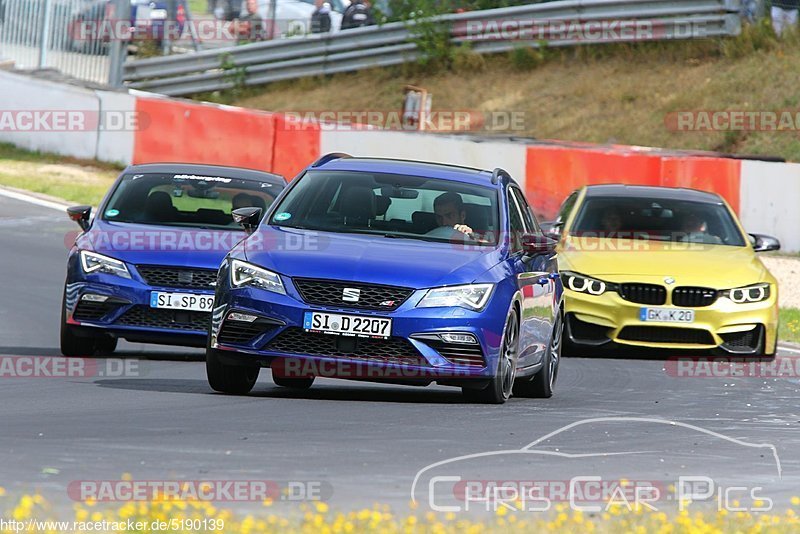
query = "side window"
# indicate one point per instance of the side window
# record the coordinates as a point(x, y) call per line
point(530, 219)
point(516, 222)
point(566, 208)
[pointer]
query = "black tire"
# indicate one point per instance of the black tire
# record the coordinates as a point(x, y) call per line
point(294, 383)
point(106, 345)
point(500, 387)
point(72, 345)
point(230, 379)
point(542, 384)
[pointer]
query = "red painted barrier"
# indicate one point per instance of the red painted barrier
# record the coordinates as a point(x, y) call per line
point(553, 172)
point(296, 146)
point(720, 175)
point(181, 131)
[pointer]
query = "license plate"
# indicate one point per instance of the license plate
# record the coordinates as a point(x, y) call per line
point(666, 315)
point(181, 301)
point(347, 325)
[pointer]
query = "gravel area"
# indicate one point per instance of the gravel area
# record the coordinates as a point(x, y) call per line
point(787, 271)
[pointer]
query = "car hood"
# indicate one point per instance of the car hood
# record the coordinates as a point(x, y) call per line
point(619, 260)
point(369, 259)
point(148, 244)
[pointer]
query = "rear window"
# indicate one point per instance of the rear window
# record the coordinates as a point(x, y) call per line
point(186, 199)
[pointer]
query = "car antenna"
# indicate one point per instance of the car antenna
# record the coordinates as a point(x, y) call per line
point(497, 173)
point(330, 157)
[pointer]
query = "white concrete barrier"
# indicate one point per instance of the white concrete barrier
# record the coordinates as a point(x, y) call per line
point(115, 142)
point(770, 201)
point(25, 103)
point(428, 147)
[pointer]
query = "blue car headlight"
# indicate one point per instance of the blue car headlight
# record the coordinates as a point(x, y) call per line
point(748, 294)
point(471, 296)
point(243, 273)
point(92, 262)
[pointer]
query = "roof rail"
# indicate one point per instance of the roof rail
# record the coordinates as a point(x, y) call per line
point(330, 157)
point(498, 173)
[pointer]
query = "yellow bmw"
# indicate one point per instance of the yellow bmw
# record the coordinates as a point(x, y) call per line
point(664, 268)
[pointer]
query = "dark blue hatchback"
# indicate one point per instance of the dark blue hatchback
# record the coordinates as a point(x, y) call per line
point(145, 267)
point(393, 271)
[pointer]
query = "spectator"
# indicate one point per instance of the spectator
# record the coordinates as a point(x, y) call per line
point(250, 27)
point(321, 17)
point(357, 14)
point(784, 15)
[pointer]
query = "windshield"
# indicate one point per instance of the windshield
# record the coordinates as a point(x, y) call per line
point(186, 200)
point(657, 219)
point(390, 205)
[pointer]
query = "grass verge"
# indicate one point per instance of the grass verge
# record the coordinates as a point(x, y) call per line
point(74, 180)
point(789, 329)
point(619, 93)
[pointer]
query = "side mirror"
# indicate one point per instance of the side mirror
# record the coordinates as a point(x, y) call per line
point(533, 244)
point(80, 214)
point(764, 243)
point(247, 217)
point(552, 227)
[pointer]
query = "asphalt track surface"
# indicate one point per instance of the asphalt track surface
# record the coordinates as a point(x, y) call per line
point(359, 443)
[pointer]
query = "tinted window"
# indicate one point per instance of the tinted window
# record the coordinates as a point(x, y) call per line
point(516, 222)
point(527, 213)
point(185, 200)
point(657, 219)
point(566, 208)
point(389, 205)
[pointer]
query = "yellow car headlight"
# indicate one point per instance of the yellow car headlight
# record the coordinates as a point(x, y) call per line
point(586, 284)
point(748, 294)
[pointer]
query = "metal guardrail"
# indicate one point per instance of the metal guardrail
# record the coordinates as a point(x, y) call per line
point(393, 43)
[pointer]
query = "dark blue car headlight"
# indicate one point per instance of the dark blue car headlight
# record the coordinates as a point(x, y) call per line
point(471, 296)
point(243, 274)
point(92, 262)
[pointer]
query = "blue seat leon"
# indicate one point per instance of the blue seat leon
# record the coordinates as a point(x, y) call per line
point(145, 266)
point(391, 271)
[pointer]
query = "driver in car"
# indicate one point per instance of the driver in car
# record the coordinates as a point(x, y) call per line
point(450, 213)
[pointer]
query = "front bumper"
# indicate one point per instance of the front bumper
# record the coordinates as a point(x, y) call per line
point(734, 328)
point(414, 353)
point(127, 313)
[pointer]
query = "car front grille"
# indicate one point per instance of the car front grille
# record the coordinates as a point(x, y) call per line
point(370, 296)
point(458, 353)
point(182, 277)
point(667, 334)
point(93, 311)
point(694, 297)
point(395, 350)
point(169, 319)
point(643, 293)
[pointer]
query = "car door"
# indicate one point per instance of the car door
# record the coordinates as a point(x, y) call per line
point(534, 282)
